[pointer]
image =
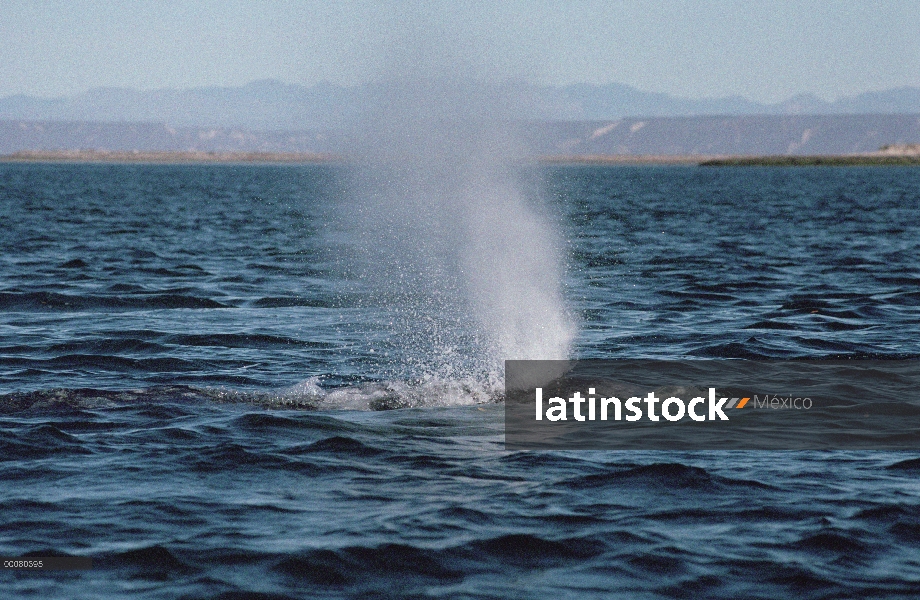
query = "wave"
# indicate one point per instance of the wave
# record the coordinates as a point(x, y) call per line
point(53, 301)
point(667, 476)
point(306, 395)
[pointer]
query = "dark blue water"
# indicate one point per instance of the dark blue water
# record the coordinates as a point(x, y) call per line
point(191, 378)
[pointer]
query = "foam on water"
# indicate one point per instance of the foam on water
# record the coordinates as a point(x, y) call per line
point(309, 394)
point(428, 391)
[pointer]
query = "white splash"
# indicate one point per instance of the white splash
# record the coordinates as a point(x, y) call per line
point(450, 234)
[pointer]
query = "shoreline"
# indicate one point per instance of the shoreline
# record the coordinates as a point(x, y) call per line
point(824, 160)
point(880, 158)
point(165, 157)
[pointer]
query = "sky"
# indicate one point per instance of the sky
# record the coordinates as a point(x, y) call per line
point(765, 51)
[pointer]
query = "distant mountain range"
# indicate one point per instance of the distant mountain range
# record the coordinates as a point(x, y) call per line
point(725, 135)
point(16, 136)
point(274, 105)
point(706, 135)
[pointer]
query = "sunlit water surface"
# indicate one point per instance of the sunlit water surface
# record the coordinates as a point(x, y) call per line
point(192, 377)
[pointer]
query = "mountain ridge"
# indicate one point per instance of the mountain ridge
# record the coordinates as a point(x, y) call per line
point(270, 104)
point(705, 135)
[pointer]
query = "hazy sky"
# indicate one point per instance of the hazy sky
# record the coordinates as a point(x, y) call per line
point(766, 51)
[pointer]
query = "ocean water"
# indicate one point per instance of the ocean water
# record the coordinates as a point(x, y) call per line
point(199, 391)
